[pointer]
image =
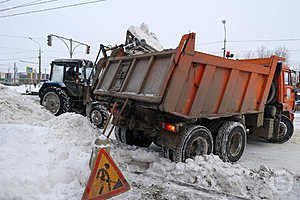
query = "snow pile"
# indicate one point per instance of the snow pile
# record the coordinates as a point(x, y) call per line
point(41, 156)
point(203, 177)
point(143, 32)
point(49, 162)
point(17, 108)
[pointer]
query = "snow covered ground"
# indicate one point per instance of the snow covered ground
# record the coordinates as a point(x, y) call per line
point(46, 157)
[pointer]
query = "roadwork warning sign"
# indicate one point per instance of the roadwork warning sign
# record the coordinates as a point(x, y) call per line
point(106, 180)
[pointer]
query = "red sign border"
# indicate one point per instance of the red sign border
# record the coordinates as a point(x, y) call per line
point(125, 187)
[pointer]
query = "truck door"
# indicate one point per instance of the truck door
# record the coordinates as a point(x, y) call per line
point(288, 92)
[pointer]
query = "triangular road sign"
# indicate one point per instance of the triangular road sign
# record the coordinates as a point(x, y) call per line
point(106, 180)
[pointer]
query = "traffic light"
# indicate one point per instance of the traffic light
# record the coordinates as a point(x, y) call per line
point(49, 40)
point(88, 48)
point(229, 55)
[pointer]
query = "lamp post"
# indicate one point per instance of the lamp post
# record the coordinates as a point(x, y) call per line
point(40, 58)
point(224, 48)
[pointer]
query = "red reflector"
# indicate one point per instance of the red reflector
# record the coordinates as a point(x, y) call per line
point(170, 127)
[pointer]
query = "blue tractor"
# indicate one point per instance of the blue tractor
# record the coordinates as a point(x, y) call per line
point(69, 90)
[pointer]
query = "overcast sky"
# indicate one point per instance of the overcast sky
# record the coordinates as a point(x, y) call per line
point(106, 22)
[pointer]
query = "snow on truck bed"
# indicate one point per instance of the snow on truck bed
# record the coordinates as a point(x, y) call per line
point(46, 157)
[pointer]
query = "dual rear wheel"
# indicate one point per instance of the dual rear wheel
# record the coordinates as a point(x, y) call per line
point(229, 142)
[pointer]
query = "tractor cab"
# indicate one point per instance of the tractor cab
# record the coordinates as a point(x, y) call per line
point(65, 91)
point(71, 74)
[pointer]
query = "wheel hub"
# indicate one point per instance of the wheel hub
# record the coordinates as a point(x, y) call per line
point(199, 147)
point(282, 129)
point(235, 143)
point(96, 117)
point(52, 102)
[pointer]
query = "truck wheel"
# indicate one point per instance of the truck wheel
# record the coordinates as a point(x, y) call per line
point(56, 100)
point(231, 141)
point(98, 116)
point(286, 130)
point(196, 140)
point(132, 137)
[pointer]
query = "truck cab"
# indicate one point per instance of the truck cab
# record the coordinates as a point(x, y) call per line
point(287, 94)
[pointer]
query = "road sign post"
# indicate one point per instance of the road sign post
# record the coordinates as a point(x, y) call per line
point(29, 71)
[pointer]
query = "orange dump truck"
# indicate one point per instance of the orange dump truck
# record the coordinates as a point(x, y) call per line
point(193, 103)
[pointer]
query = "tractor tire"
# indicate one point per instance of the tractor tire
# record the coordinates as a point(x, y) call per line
point(196, 140)
point(56, 100)
point(98, 116)
point(132, 137)
point(231, 141)
point(286, 130)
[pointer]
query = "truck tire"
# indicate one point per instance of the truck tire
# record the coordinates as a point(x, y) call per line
point(286, 130)
point(56, 100)
point(196, 140)
point(214, 127)
point(98, 116)
point(132, 137)
point(231, 141)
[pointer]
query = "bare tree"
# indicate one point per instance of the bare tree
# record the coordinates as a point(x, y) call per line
point(264, 52)
point(249, 54)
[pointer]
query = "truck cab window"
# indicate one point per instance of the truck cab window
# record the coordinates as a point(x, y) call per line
point(287, 80)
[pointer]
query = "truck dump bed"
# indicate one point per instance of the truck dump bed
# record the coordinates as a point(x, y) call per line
point(188, 83)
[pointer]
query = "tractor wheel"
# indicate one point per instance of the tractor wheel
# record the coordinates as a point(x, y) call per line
point(98, 116)
point(132, 137)
point(196, 140)
point(231, 141)
point(286, 130)
point(56, 100)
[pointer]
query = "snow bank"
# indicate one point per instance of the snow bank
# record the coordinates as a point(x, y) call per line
point(204, 177)
point(41, 156)
point(17, 108)
point(143, 32)
point(49, 162)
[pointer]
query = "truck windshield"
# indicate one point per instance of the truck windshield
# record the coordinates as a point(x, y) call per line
point(57, 72)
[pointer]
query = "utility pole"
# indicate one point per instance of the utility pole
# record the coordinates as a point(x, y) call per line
point(40, 67)
point(15, 69)
point(224, 49)
point(40, 58)
point(69, 47)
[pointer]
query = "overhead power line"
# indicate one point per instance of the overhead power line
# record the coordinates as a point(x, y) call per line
point(246, 41)
point(49, 9)
point(4, 1)
point(19, 36)
point(33, 3)
point(17, 58)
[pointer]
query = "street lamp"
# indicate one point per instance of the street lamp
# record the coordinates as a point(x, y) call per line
point(40, 58)
point(224, 49)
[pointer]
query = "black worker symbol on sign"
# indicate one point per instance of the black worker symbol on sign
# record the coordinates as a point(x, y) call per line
point(104, 177)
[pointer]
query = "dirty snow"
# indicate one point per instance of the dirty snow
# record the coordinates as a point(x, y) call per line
point(46, 157)
point(143, 32)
